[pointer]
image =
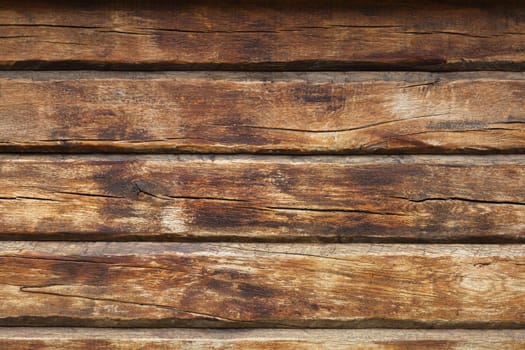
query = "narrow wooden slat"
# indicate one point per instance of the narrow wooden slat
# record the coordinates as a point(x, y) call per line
point(267, 198)
point(275, 339)
point(268, 112)
point(276, 34)
point(261, 285)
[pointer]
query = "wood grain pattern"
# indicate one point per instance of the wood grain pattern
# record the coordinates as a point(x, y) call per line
point(262, 285)
point(263, 198)
point(405, 34)
point(264, 112)
point(275, 339)
point(296, 146)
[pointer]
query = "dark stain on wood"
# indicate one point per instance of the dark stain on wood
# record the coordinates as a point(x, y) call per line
point(420, 199)
point(275, 215)
point(296, 113)
point(259, 36)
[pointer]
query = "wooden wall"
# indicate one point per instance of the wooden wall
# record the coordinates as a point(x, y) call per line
point(262, 174)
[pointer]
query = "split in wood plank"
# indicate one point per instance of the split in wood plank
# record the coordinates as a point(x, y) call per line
point(275, 339)
point(263, 198)
point(296, 113)
point(132, 284)
point(408, 34)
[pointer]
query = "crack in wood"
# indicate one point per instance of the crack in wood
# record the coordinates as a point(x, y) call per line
point(333, 130)
point(453, 33)
point(430, 83)
point(81, 260)
point(48, 25)
point(99, 195)
point(30, 198)
point(462, 199)
point(30, 289)
point(333, 210)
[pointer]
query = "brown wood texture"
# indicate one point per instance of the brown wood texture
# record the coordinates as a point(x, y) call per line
point(275, 339)
point(263, 198)
point(308, 124)
point(409, 34)
point(262, 285)
point(263, 112)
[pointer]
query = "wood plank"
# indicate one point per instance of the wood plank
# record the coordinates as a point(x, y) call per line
point(275, 339)
point(263, 112)
point(132, 284)
point(263, 198)
point(404, 34)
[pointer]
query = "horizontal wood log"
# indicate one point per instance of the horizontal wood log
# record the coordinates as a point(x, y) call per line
point(263, 112)
point(263, 198)
point(405, 34)
point(276, 339)
point(132, 284)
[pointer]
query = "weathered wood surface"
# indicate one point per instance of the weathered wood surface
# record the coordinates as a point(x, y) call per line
point(275, 339)
point(409, 34)
point(263, 198)
point(262, 285)
point(263, 112)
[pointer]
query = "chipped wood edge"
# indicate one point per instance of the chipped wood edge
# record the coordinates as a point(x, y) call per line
point(332, 250)
point(466, 160)
point(340, 335)
point(239, 76)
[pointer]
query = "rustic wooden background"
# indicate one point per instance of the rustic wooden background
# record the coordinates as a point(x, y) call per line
point(262, 174)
